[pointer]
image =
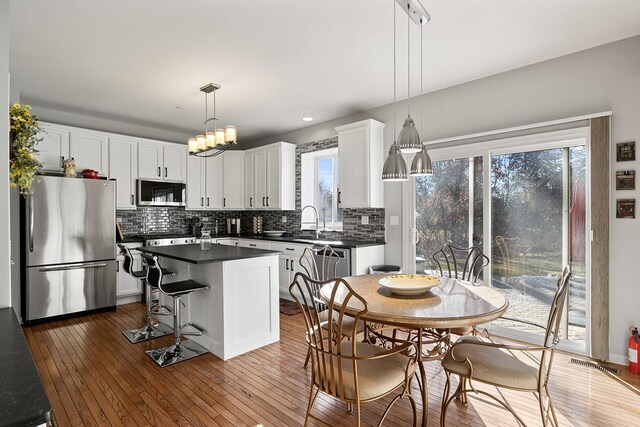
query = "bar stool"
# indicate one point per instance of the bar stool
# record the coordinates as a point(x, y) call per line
point(179, 350)
point(150, 330)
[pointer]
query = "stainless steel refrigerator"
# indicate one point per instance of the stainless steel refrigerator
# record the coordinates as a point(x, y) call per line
point(69, 262)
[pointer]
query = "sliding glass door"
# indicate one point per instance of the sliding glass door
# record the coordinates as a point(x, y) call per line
point(523, 201)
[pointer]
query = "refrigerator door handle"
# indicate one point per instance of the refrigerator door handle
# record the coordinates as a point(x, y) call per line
point(31, 223)
point(72, 267)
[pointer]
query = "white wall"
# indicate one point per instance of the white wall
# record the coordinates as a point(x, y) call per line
point(599, 79)
point(5, 273)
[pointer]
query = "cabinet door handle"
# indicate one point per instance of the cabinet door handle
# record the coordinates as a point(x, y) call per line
point(201, 201)
point(207, 201)
point(133, 202)
point(290, 249)
point(267, 200)
point(62, 162)
point(263, 201)
point(224, 202)
point(117, 266)
point(250, 202)
point(287, 265)
point(165, 172)
point(252, 244)
point(159, 173)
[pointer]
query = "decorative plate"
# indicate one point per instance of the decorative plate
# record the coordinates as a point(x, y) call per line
point(409, 284)
point(274, 233)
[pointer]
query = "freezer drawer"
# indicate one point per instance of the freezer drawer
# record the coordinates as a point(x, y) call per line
point(69, 288)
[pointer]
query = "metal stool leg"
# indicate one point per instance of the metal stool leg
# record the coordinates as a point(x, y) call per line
point(179, 350)
point(148, 331)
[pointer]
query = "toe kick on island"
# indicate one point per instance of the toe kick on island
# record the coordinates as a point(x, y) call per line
point(240, 311)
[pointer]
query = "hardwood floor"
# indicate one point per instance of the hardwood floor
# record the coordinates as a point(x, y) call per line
point(95, 377)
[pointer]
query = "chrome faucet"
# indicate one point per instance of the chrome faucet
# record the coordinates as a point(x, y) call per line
point(316, 220)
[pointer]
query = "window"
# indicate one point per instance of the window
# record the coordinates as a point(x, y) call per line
point(320, 183)
point(525, 201)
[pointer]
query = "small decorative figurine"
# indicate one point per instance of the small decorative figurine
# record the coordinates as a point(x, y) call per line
point(70, 168)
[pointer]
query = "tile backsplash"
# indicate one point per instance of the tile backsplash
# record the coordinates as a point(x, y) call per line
point(159, 220)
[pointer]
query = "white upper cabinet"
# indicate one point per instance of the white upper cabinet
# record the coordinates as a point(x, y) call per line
point(214, 183)
point(260, 179)
point(53, 147)
point(249, 196)
point(175, 162)
point(123, 167)
point(150, 160)
point(162, 161)
point(233, 180)
point(195, 182)
point(90, 150)
point(360, 152)
point(273, 177)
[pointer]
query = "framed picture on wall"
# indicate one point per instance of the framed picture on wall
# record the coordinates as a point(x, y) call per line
point(626, 151)
point(625, 180)
point(626, 208)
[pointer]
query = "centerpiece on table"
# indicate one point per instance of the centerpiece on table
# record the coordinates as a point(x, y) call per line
point(23, 164)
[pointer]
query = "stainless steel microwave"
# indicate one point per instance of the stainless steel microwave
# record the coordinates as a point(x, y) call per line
point(161, 193)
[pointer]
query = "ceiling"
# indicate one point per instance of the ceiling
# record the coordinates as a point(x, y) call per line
point(143, 62)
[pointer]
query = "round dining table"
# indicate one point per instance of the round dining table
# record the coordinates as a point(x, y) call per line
point(451, 304)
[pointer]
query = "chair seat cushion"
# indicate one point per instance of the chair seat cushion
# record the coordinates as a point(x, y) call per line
point(501, 367)
point(375, 377)
point(182, 287)
point(348, 322)
point(139, 274)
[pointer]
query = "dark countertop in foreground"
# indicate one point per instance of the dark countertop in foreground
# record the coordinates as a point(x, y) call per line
point(23, 401)
point(217, 253)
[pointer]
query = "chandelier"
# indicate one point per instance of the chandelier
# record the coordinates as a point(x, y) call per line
point(215, 141)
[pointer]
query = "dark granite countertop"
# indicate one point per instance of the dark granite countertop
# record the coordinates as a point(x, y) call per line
point(23, 401)
point(351, 244)
point(217, 253)
point(131, 239)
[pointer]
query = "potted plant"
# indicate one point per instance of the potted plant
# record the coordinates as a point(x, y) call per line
point(23, 164)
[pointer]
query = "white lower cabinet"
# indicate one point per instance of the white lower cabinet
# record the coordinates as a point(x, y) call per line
point(253, 243)
point(227, 241)
point(288, 264)
point(126, 285)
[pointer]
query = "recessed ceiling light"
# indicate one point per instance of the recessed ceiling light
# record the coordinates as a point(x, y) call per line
point(307, 119)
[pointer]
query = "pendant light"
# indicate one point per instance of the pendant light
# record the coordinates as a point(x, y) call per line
point(409, 140)
point(421, 164)
point(394, 168)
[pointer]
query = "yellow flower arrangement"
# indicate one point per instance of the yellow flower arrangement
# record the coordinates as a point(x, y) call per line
point(23, 165)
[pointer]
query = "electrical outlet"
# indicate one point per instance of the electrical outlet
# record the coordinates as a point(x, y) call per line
point(364, 219)
point(284, 219)
point(394, 220)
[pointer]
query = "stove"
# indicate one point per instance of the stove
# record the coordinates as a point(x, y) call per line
point(168, 239)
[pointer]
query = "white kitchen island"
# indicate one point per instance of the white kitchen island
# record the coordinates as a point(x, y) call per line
point(240, 311)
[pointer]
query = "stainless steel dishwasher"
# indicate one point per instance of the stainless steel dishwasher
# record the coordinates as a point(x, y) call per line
point(343, 267)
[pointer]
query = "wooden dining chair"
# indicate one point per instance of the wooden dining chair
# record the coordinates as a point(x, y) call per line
point(516, 367)
point(320, 271)
point(351, 371)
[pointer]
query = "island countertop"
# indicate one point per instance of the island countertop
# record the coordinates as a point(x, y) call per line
point(217, 253)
